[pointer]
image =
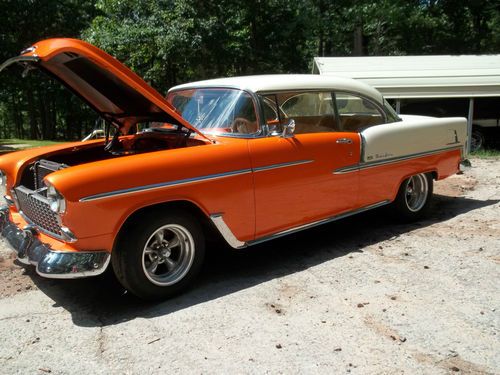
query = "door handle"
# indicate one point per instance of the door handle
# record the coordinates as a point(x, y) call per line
point(346, 141)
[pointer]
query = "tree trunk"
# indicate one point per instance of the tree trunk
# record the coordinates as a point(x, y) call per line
point(358, 42)
point(32, 114)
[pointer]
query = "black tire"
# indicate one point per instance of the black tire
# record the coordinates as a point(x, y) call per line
point(159, 255)
point(477, 140)
point(414, 198)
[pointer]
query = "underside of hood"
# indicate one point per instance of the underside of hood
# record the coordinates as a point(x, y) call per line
point(109, 87)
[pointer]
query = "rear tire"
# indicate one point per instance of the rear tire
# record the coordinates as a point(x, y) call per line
point(414, 197)
point(159, 255)
point(477, 140)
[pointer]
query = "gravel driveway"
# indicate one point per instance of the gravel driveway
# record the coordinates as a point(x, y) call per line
point(361, 296)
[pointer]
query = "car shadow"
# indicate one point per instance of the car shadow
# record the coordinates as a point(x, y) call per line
point(101, 301)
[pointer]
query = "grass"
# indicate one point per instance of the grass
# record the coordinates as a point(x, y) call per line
point(29, 142)
point(486, 153)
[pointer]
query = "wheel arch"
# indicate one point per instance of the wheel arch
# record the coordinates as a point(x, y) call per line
point(177, 205)
point(432, 172)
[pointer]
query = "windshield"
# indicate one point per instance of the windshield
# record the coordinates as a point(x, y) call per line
point(216, 111)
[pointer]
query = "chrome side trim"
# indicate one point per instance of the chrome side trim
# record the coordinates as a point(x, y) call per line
point(231, 239)
point(281, 165)
point(373, 164)
point(348, 169)
point(163, 184)
point(319, 222)
point(224, 230)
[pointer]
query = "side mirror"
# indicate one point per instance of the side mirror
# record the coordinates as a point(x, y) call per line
point(288, 129)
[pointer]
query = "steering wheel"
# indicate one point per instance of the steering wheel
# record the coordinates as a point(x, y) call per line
point(242, 125)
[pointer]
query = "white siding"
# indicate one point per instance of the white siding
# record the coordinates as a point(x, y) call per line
point(419, 76)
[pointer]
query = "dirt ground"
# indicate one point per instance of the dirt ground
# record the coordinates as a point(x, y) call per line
point(363, 295)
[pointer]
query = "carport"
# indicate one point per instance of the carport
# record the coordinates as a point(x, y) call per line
point(419, 77)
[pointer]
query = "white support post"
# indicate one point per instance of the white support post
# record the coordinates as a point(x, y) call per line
point(398, 106)
point(469, 123)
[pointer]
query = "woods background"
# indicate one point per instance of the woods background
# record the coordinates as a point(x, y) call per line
point(169, 42)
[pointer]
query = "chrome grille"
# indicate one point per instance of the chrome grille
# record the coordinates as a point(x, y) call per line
point(42, 168)
point(35, 207)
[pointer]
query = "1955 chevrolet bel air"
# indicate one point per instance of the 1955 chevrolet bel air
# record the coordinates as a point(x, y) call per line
point(248, 158)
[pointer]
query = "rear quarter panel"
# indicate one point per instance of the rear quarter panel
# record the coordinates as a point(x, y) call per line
point(393, 152)
point(413, 135)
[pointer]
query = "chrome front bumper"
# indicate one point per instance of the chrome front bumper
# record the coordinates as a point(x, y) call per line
point(50, 263)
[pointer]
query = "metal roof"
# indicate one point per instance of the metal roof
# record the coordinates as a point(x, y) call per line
point(419, 76)
point(287, 82)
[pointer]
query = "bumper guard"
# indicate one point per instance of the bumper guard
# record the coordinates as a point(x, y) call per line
point(464, 165)
point(50, 263)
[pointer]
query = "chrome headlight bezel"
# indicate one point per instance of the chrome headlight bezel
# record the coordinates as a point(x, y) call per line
point(3, 185)
point(57, 203)
point(3, 179)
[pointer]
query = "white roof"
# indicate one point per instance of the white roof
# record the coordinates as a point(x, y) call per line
point(419, 76)
point(287, 82)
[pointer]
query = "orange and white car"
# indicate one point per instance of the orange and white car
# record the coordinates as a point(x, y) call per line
point(248, 158)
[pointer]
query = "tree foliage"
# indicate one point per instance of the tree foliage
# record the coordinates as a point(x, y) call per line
point(174, 41)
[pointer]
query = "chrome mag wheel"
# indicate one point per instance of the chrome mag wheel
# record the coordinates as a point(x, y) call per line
point(168, 255)
point(416, 191)
point(476, 140)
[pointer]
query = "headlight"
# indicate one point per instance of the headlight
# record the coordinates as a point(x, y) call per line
point(3, 179)
point(56, 200)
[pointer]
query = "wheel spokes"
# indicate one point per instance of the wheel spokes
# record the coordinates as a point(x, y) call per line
point(148, 250)
point(159, 235)
point(153, 266)
point(168, 254)
point(174, 242)
point(170, 264)
point(416, 192)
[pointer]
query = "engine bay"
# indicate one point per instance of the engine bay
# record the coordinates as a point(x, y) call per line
point(149, 140)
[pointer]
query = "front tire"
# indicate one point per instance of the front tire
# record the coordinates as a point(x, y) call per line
point(159, 255)
point(414, 197)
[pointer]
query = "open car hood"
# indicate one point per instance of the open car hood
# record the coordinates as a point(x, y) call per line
point(109, 87)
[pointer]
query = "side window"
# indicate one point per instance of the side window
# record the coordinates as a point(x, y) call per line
point(357, 113)
point(313, 112)
point(309, 104)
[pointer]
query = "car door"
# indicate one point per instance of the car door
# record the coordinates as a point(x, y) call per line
point(297, 179)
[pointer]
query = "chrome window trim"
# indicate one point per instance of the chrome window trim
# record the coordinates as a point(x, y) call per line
point(378, 163)
point(259, 134)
